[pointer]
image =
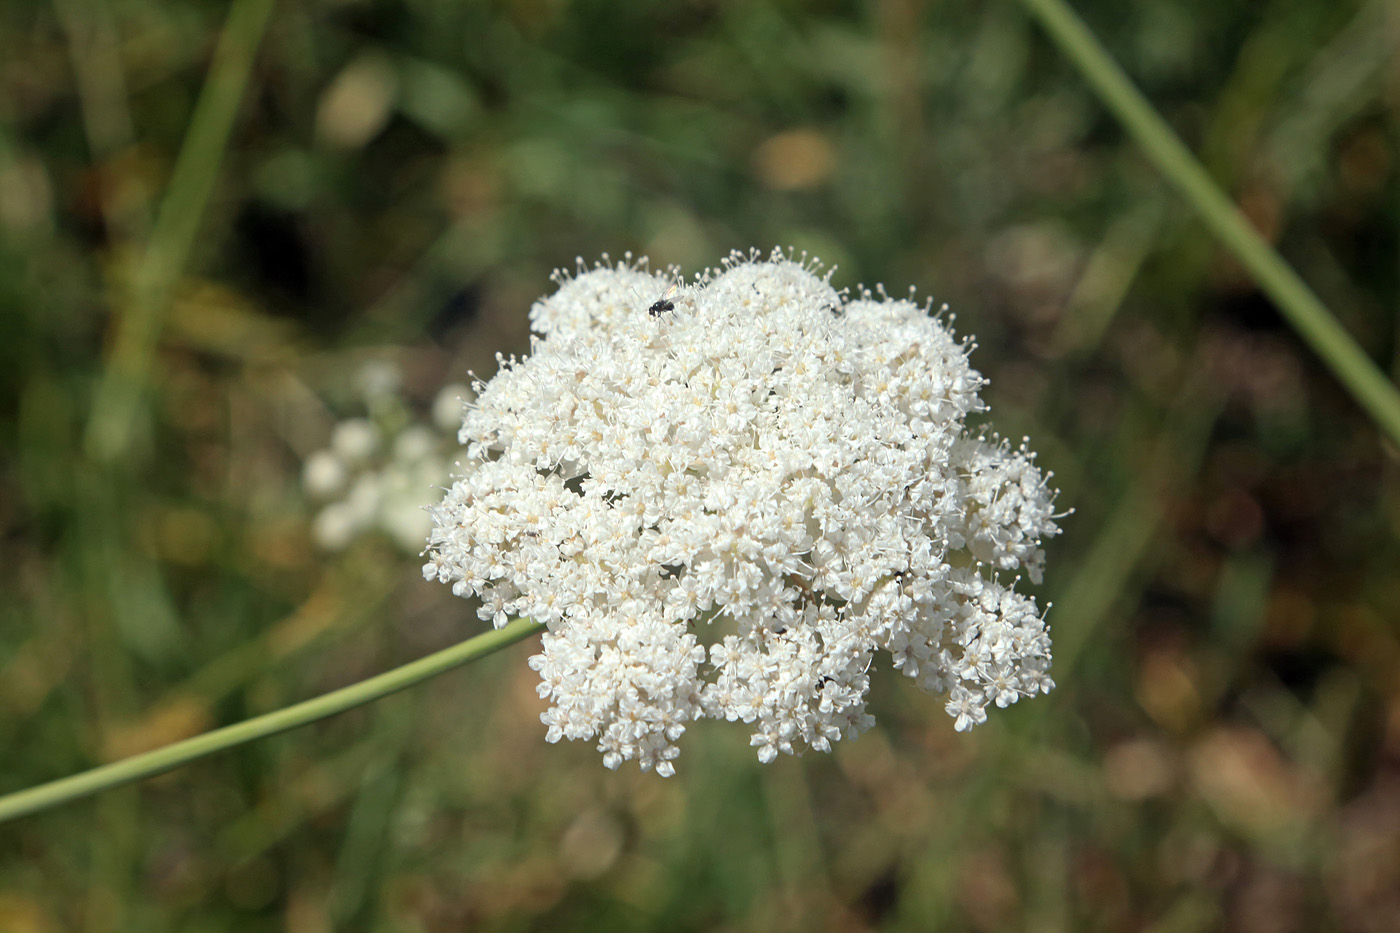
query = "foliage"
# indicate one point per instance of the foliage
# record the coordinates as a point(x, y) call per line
point(398, 181)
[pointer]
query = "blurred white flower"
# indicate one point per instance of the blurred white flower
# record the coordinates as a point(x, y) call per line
point(335, 526)
point(415, 443)
point(401, 514)
point(766, 458)
point(381, 470)
point(379, 379)
point(355, 440)
point(323, 474)
point(364, 497)
point(449, 406)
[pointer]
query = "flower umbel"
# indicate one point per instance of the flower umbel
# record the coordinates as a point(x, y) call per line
point(726, 508)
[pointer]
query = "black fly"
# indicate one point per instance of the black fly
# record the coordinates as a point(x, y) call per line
point(663, 304)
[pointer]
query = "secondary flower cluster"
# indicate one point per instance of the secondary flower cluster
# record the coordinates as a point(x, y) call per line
point(723, 498)
point(371, 476)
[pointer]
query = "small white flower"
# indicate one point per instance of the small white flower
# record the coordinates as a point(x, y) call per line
point(379, 379)
point(324, 474)
point(414, 444)
point(767, 456)
point(364, 498)
point(400, 511)
point(355, 439)
point(449, 404)
point(335, 526)
point(968, 708)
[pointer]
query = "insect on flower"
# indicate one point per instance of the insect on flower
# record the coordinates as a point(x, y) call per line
point(663, 304)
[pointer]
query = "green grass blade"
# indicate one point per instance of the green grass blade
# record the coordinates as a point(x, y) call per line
point(117, 402)
point(374, 688)
point(1299, 306)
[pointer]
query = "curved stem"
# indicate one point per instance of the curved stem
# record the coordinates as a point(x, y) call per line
point(1299, 306)
point(136, 767)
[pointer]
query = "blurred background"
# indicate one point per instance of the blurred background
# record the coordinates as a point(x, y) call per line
point(221, 405)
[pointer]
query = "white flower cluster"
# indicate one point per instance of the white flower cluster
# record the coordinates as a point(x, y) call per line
point(724, 500)
point(375, 471)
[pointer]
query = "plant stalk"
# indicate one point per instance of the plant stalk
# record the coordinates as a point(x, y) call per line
point(144, 303)
point(1298, 304)
point(171, 756)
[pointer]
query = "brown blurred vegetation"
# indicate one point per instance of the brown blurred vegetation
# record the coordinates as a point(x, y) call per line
point(1223, 750)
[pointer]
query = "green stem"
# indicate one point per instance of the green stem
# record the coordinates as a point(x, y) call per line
point(136, 767)
point(117, 402)
point(1300, 307)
